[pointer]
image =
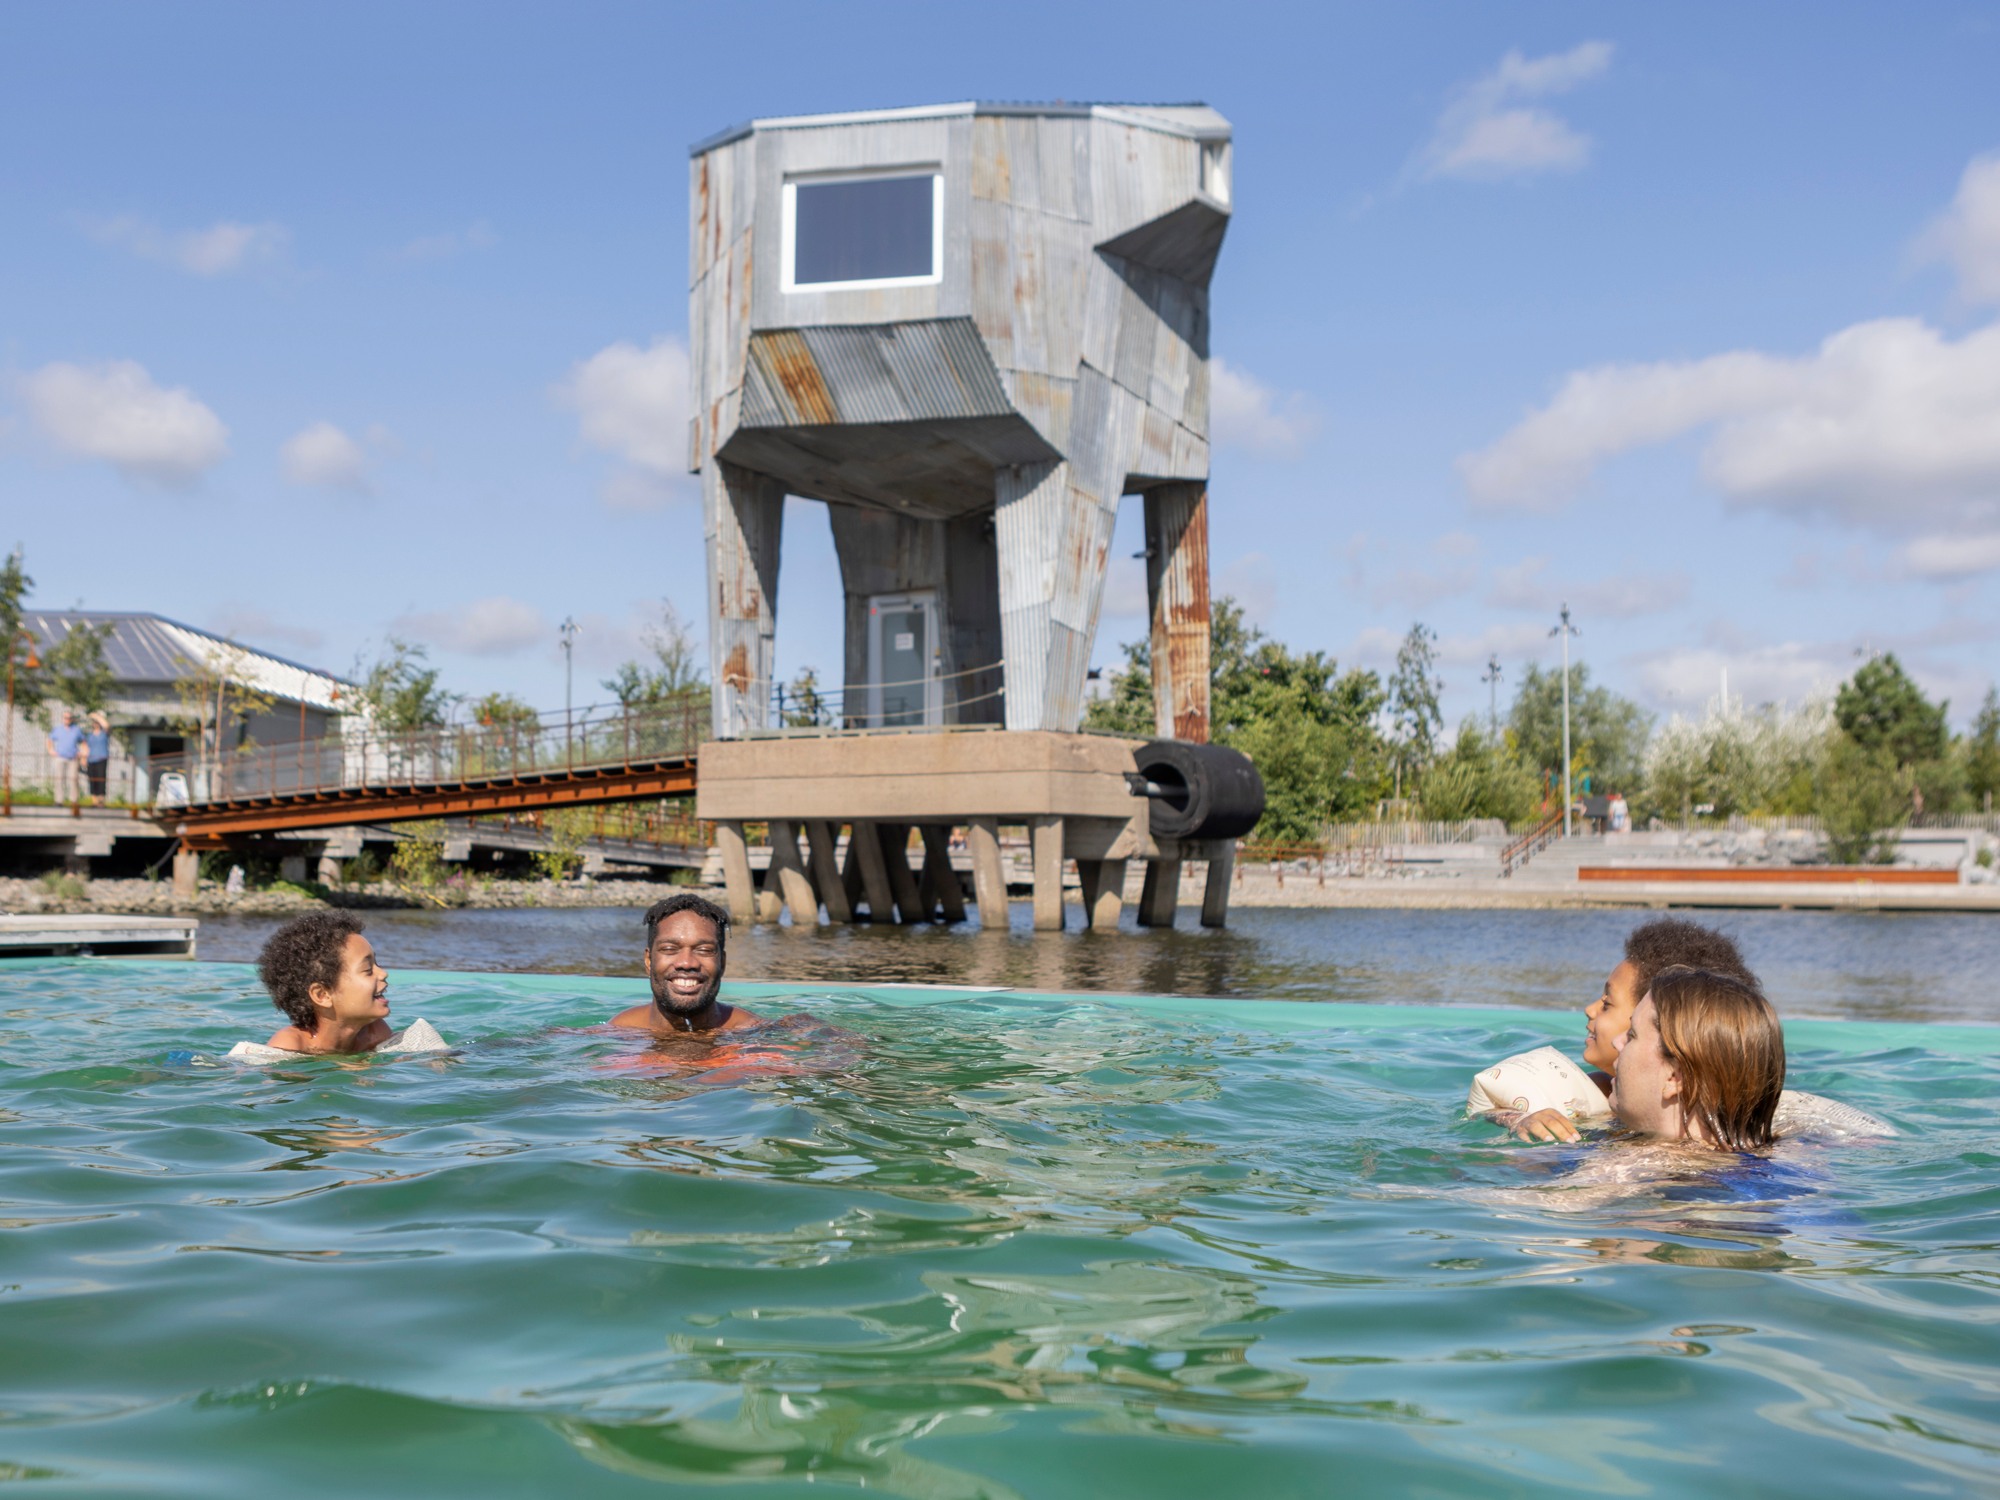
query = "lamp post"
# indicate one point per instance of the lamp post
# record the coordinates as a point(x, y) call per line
point(33, 663)
point(1491, 677)
point(1565, 630)
point(568, 632)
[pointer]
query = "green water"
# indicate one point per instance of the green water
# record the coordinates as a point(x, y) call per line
point(988, 1244)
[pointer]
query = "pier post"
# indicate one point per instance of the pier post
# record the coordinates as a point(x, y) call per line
point(1215, 894)
point(187, 871)
point(989, 879)
point(790, 874)
point(826, 875)
point(1103, 892)
point(865, 839)
point(1160, 898)
point(1047, 836)
point(740, 891)
point(910, 906)
point(938, 871)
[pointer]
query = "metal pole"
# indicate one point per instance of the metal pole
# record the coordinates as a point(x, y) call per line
point(1492, 680)
point(1565, 630)
point(568, 631)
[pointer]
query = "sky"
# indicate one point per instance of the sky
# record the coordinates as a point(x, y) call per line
point(323, 323)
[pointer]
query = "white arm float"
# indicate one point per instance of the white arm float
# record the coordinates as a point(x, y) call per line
point(1542, 1079)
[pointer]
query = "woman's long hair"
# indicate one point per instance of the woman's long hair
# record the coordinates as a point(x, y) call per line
point(1724, 1040)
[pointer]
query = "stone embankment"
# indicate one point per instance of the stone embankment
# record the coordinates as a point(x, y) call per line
point(70, 897)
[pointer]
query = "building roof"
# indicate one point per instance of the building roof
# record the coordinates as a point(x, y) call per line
point(1195, 120)
point(147, 648)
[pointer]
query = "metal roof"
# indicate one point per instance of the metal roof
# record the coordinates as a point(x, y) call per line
point(148, 648)
point(1193, 119)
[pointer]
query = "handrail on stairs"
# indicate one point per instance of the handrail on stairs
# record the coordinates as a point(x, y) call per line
point(1531, 843)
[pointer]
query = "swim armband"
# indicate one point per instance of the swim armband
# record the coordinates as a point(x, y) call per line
point(1542, 1079)
point(418, 1036)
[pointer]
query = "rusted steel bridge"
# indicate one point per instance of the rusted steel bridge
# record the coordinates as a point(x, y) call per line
point(570, 759)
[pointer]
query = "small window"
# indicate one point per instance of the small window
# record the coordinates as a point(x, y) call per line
point(886, 229)
point(1215, 170)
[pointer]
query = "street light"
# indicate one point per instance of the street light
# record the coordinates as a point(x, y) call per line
point(568, 632)
point(1565, 630)
point(1491, 677)
point(33, 663)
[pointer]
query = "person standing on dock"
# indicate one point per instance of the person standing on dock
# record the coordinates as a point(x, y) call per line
point(66, 745)
point(97, 757)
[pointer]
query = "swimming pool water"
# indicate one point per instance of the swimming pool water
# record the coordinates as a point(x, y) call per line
point(989, 1244)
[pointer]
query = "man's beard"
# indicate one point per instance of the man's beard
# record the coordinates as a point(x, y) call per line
point(673, 1004)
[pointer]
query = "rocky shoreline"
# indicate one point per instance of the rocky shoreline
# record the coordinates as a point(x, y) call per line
point(157, 898)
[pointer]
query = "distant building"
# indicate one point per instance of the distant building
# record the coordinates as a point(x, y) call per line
point(148, 655)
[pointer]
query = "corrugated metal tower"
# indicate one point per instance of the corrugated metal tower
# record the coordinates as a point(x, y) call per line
point(969, 329)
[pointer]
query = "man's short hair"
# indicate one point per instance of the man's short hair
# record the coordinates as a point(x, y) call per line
point(306, 951)
point(1674, 942)
point(701, 906)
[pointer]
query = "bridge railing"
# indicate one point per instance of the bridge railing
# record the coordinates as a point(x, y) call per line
point(597, 737)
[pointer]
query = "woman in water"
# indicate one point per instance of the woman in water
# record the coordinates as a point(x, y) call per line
point(1703, 1060)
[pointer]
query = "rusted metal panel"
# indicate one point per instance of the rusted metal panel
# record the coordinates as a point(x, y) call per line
point(1178, 599)
point(792, 376)
point(1024, 161)
point(991, 175)
point(744, 515)
point(1062, 150)
point(992, 276)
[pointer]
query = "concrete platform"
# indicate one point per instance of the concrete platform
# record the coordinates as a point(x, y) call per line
point(150, 937)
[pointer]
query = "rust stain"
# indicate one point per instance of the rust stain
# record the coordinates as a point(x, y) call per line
point(736, 668)
point(702, 220)
point(784, 358)
point(1177, 534)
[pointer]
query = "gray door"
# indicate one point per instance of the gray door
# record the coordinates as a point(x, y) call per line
point(903, 685)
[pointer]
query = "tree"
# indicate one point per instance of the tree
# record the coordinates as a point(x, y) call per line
point(1762, 761)
point(801, 703)
point(1608, 733)
point(218, 697)
point(1861, 801)
point(1982, 751)
point(399, 694)
point(1413, 699)
point(1477, 778)
point(674, 667)
point(15, 586)
point(1881, 708)
point(504, 711)
point(75, 672)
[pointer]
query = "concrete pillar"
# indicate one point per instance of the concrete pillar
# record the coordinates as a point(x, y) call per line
point(740, 890)
point(788, 875)
point(293, 868)
point(330, 870)
point(865, 839)
point(826, 875)
point(989, 877)
point(1215, 894)
point(910, 905)
point(1177, 597)
point(743, 517)
point(1103, 892)
point(850, 873)
point(187, 871)
point(1160, 897)
point(1047, 836)
point(950, 895)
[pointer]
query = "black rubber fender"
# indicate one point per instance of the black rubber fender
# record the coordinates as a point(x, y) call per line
point(1203, 791)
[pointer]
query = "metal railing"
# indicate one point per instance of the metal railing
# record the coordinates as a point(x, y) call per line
point(1531, 843)
point(598, 737)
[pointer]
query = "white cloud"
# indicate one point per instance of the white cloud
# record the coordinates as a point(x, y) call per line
point(322, 455)
point(633, 403)
point(214, 251)
point(1889, 424)
point(1252, 582)
point(1491, 130)
point(255, 627)
point(496, 626)
point(1245, 413)
point(1617, 596)
point(1947, 556)
point(1790, 672)
point(1967, 235)
point(475, 236)
point(1377, 645)
point(115, 412)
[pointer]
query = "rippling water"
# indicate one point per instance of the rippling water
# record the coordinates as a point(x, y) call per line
point(967, 1244)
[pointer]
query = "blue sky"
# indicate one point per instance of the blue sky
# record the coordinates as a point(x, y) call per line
point(319, 322)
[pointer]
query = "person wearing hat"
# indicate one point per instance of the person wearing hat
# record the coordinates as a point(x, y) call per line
point(97, 755)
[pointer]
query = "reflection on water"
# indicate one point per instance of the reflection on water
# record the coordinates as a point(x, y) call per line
point(1858, 965)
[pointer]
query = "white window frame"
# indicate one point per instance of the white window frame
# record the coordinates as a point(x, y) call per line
point(789, 230)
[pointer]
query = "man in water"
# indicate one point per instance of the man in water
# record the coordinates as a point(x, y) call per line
point(686, 952)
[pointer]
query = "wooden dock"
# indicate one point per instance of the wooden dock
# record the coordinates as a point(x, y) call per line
point(108, 936)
